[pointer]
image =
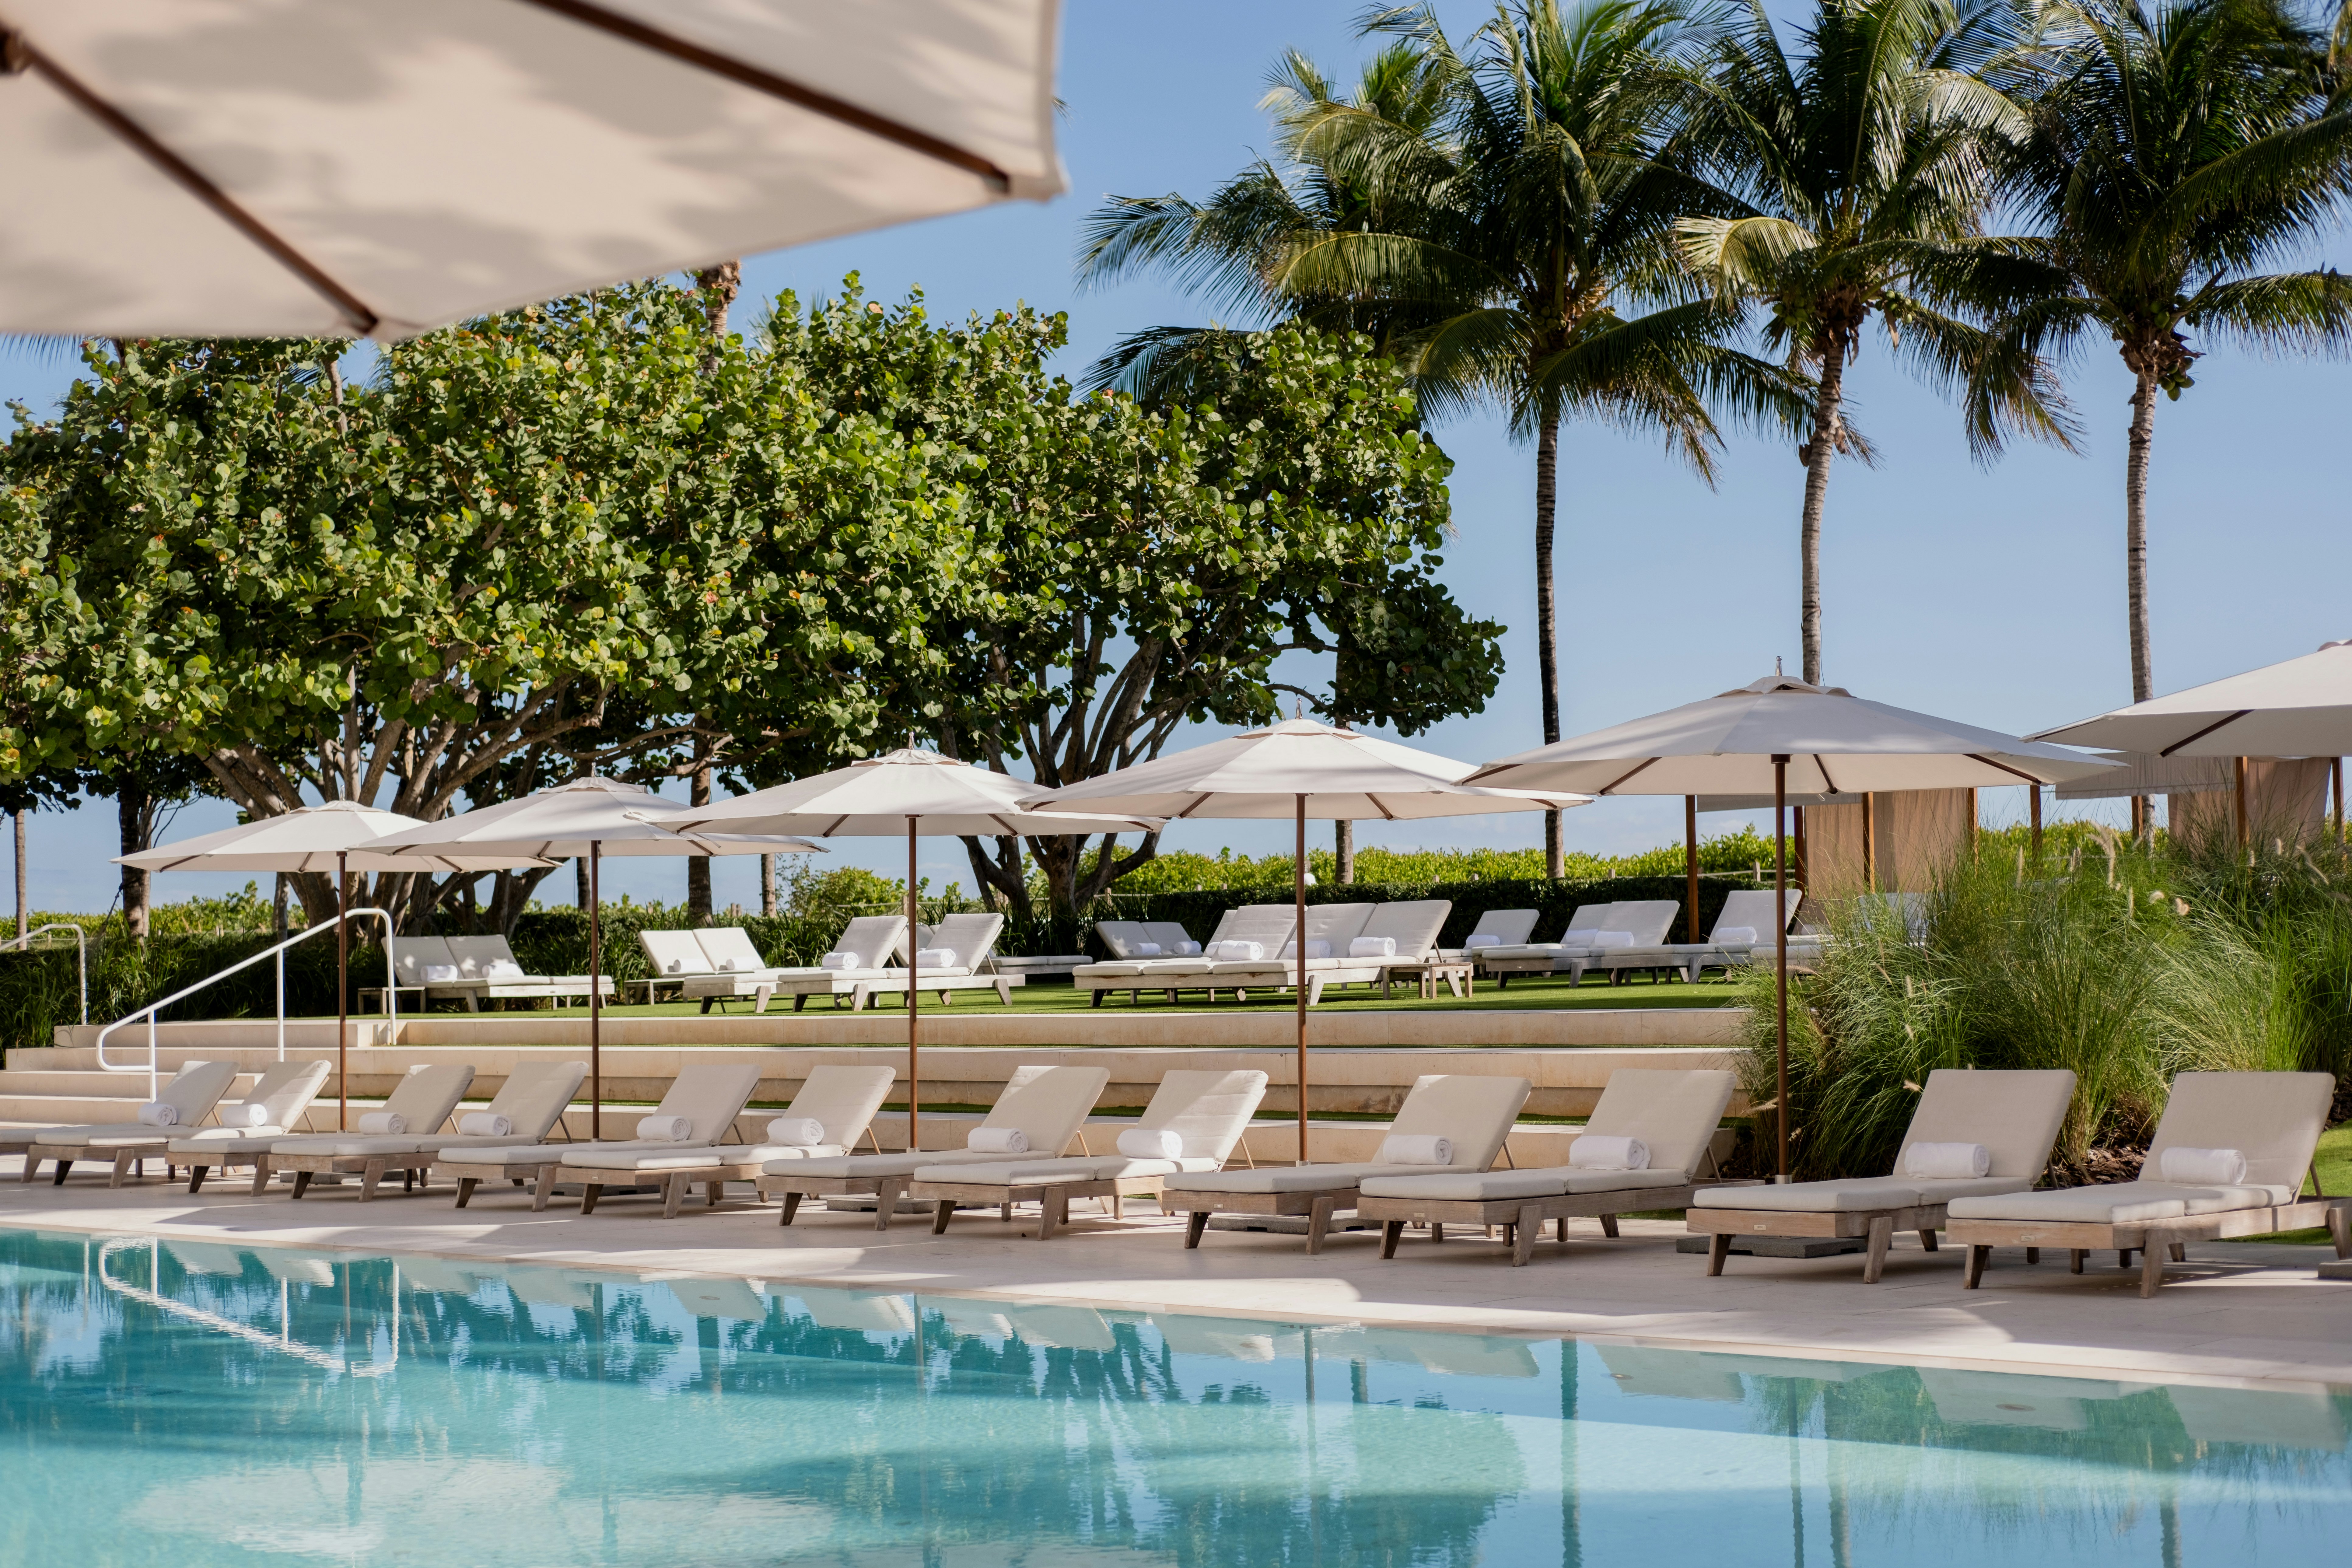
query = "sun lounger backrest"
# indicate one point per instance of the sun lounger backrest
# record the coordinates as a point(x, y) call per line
point(1474, 1109)
point(475, 955)
point(1648, 919)
point(969, 937)
point(1169, 934)
point(877, 940)
point(1047, 1104)
point(1591, 917)
point(1338, 924)
point(729, 950)
point(2015, 1115)
point(712, 1095)
point(1270, 924)
point(196, 1087)
point(535, 1094)
point(1414, 923)
point(1752, 907)
point(285, 1090)
point(673, 952)
point(2274, 1119)
point(1509, 928)
point(426, 1096)
point(1120, 937)
point(412, 955)
point(843, 1098)
point(1208, 1108)
point(1675, 1113)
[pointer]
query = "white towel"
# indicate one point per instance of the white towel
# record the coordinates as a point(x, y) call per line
point(485, 1124)
point(1602, 938)
point(1188, 949)
point(998, 1140)
point(724, 966)
point(1414, 1149)
point(1146, 949)
point(937, 957)
point(440, 974)
point(503, 969)
point(1232, 951)
point(1315, 947)
point(383, 1123)
point(1947, 1162)
point(1151, 1143)
point(245, 1113)
point(1483, 938)
point(1741, 936)
point(672, 966)
point(666, 1129)
point(840, 961)
point(159, 1113)
point(1372, 947)
point(2226, 1167)
point(1605, 1152)
point(796, 1131)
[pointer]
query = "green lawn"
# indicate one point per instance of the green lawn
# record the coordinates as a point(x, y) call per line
point(2335, 1167)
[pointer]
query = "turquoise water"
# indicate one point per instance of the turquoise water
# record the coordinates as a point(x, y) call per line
point(170, 1402)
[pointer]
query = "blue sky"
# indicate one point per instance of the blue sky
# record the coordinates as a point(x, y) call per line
point(1989, 594)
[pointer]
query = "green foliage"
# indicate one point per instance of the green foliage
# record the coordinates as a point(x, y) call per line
point(1735, 853)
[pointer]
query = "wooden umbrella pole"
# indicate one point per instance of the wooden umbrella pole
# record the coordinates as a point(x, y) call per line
point(1781, 979)
point(1690, 858)
point(2033, 796)
point(595, 994)
point(2243, 838)
point(1298, 891)
point(344, 994)
point(915, 1004)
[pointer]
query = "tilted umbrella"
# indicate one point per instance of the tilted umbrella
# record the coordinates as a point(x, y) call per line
point(268, 168)
point(1298, 768)
point(590, 817)
point(1783, 736)
point(340, 836)
point(911, 792)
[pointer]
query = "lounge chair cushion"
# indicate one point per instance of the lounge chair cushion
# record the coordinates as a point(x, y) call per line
point(524, 1156)
point(2274, 1118)
point(1493, 1187)
point(842, 1099)
point(2015, 1115)
point(119, 1134)
point(593, 1157)
point(2120, 1203)
point(1856, 1195)
point(874, 1167)
point(1277, 1179)
point(1047, 1172)
point(216, 1143)
point(1675, 1113)
point(1208, 1108)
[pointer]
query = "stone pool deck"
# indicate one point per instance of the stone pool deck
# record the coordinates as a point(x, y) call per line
point(2238, 1313)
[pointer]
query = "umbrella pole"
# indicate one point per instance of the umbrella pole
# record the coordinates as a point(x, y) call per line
point(1299, 889)
point(1780, 970)
point(342, 997)
point(915, 1005)
point(1690, 858)
point(595, 995)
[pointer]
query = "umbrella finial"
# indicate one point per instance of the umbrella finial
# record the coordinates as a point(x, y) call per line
point(1775, 665)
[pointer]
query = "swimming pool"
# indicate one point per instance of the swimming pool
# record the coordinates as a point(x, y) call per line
point(201, 1403)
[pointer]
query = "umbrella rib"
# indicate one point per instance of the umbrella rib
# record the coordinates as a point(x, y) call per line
point(1384, 810)
point(1824, 766)
point(20, 53)
point(745, 74)
point(1621, 778)
point(2017, 774)
point(2200, 734)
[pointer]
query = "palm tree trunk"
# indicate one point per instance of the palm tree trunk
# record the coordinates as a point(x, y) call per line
point(2143, 435)
point(698, 867)
point(1547, 626)
point(1817, 453)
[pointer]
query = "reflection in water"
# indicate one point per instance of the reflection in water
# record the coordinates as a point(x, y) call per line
point(278, 1406)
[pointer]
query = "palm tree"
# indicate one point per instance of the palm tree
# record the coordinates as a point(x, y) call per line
point(1491, 223)
point(2169, 156)
point(1863, 165)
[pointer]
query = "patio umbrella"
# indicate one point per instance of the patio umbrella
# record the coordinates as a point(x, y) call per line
point(910, 792)
point(1782, 735)
point(1299, 768)
point(268, 168)
point(595, 818)
point(339, 836)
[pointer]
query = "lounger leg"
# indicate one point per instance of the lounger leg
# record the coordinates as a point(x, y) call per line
point(260, 1174)
point(1928, 1239)
point(792, 1207)
point(588, 1195)
point(1524, 1234)
point(59, 1178)
point(1609, 1226)
point(1054, 1212)
point(1319, 1221)
point(1117, 1206)
point(2151, 1267)
point(1882, 1234)
point(714, 1192)
point(542, 1189)
point(2123, 1256)
point(1559, 1230)
point(369, 1177)
point(1004, 1212)
point(466, 1189)
point(197, 1177)
point(1976, 1257)
point(940, 1213)
point(1194, 1224)
point(301, 1183)
point(121, 1168)
point(2076, 1259)
point(2339, 1227)
point(2179, 1252)
point(2033, 1255)
point(886, 1190)
point(674, 1189)
point(1391, 1231)
point(1719, 1247)
point(407, 1178)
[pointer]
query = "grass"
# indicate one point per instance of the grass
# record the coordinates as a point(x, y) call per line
point(2334, 1163)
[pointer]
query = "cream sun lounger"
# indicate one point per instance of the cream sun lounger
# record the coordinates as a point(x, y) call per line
point(471, 968)
point(2014, 1115)
point(875, 939)
point(972, 939)
point(425, 1099)
point(1675, 1113)
point(2274, 1118)
point(193, 1091)
point(1268, 925)
point(1496, 928)
point(734, 968)
point(1747, 910)
point(1329, 928)
point(710, 1095)
point(1646, 920)
point(532, 1099)
point(1130, 944)
point(1474, 1111)
point(1048, 1105)
point(1208, 1108)
point(284, 1093)
point(672, 957)
point(843, 1098)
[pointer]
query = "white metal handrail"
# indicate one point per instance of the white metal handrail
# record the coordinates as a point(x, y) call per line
point(392, 1002)
point(283, 1342)
point(81, 955)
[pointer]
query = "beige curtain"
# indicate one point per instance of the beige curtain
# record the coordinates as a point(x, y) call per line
point(2287, 800)
point(1909, 836)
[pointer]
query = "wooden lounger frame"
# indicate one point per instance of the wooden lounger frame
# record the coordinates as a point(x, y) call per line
point(2157, 1241)
point(125, 1155)
point(1522, 1219)
point(415, 1169)
point(1317, 1204)
point(544, 1176)
point(1877, 1226)
point(1052, 1198)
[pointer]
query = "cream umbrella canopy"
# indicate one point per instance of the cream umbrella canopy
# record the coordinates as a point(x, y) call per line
point(280, 168)
point(1299, 768)
point(595, 818)
point(340, 836)
point(911, 792)
point(1780, 736)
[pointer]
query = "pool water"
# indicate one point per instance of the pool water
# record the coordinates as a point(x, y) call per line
point(196, 1405)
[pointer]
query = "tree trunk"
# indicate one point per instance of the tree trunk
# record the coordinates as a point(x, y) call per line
point(131, 820)
point(278, 906)
point(698, 867)
point(1816, 453)
point(1343, 851)
point(24, 916)
point(768, 886)
point(1546, 623)
point(2143, 435)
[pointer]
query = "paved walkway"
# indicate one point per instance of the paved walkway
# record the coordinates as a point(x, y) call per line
point(2239, 1314)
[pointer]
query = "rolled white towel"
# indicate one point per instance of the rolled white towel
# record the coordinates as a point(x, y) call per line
point(666, 1129)
point(245, 1113)
point(1414, 1149)
point(485, 1124)
point(796, 1131)
point(1188, 950)
point(159, 1113)
point(440, 974)
point(383, 1123)
point(1234, 951)
point(1483, 938)
point(1315, 947)
point(840, 961)
point(1146, 949)
point(674, 967)
point(1151, 1143)
point(937, 958)
point(1372, 947)
point(503, 969)
point(724, 966)
point(1607, 1152)
point(2225, 1167)
point(1947, 1162)
point(1600, 938)
point(998, 1140)
point(1736, 936)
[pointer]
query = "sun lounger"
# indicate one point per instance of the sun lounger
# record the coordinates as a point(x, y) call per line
point(1641, 923)
point(709, 1095)
point(1131, 945)
point(876, 942)
point(1269, 925)
point(672, 957)
point(283, 1093)
point(1473, 1111)
point(424, 1101)
point(1742, 932)
point(1207, 1109)
point(192, 1094)
point(2270, 1119)
point(1675, 1114)
point(972, 938)
point(1496, 928)
point(472, 968)
point(735, 969)
point(1046, 1105)
point(842, 1099)
point(2013, 1116)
